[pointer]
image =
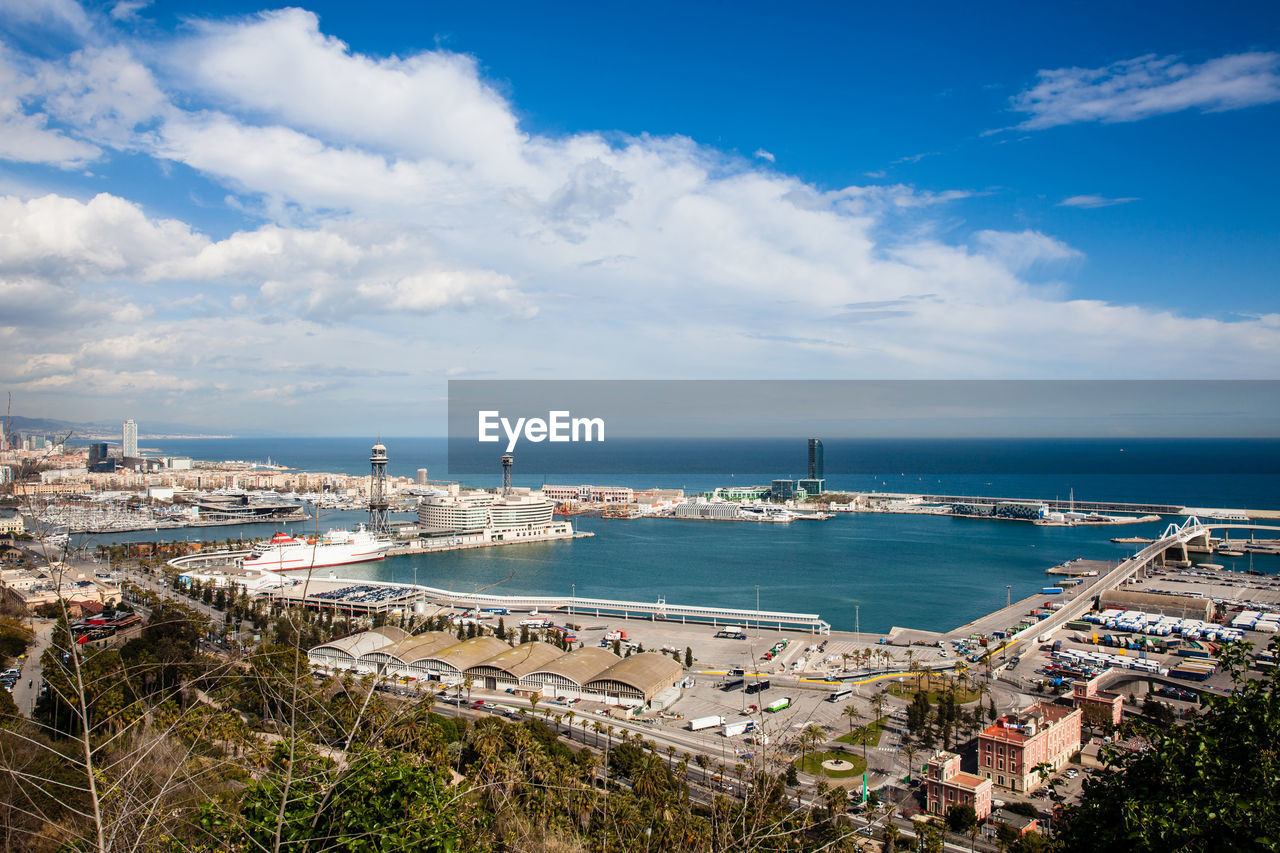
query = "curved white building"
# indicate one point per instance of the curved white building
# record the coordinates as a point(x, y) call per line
point(476, 511)
point(520, 512)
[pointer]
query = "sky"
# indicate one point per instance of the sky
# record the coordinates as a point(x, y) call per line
point(307, 220)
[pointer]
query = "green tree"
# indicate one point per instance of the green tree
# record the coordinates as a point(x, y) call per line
point(385, 801)
point(961, 817)
point(688, 657)
point(1212, 783)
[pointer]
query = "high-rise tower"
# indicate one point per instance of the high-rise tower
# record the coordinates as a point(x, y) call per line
point(507, 460)
point(130, 441)
point(815, 459)
point(379, 506)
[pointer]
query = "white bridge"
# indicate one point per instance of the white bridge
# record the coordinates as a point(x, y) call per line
point(1179, 536)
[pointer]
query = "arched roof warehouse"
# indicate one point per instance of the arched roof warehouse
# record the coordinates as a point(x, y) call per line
point(573, 670)
point(400, 654)
point(462, 656)
point(637, 677)
point(514, 663)
point(347, 650)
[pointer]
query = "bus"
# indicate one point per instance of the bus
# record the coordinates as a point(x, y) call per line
point(840, 693)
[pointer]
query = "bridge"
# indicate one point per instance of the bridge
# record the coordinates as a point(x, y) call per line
point(1192, 530)
point(208, 558)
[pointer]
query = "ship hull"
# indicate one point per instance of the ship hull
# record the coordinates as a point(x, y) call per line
point(340, 548)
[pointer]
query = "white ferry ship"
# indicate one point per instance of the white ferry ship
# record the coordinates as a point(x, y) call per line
point(285, 553)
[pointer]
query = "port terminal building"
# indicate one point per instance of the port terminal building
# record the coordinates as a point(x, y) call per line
point(946, 785)
point(1012, 747)
point(588, 673)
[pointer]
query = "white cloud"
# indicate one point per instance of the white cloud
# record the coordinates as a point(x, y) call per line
point(57, 15)
point(765, 155)
point(1090, 201)
point(104, 93)
point(60, 238)
point(412, 225)
point(914, 158)
point(26, 137)
point(1022, 250)
point(1148, 86)
point(127, 10)
point(432, 104)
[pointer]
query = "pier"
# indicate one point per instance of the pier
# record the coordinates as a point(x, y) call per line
point(332, 593)
point(1059, 504)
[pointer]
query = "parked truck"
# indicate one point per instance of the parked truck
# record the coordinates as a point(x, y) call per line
point(697, 725)
point(778, 704)
point(735, 729)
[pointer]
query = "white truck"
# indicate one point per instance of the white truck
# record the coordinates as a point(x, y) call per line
point(735, 729)
point(700, 723)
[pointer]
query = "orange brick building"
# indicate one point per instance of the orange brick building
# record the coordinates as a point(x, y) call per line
point(1099, 706)
point(1010, 748)
point(947, 785)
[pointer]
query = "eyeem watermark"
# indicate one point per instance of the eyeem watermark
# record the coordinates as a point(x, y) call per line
point(559, 426)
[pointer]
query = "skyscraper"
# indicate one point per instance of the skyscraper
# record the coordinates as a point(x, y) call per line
point(131, 439)
point(815, 459)
point(814, 484)
point(422, 477)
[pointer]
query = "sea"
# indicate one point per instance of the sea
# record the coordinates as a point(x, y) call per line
point(858, 570)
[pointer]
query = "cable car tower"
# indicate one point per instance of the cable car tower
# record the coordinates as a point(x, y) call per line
point(379, 506)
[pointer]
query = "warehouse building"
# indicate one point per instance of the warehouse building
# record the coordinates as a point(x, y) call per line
point(569, 674)
point(507, 668)
point(637, 679)
point(345, 652)
point(397, 658)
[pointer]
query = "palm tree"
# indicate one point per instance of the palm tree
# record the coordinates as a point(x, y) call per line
point(878, 700)
point(810, 736)
point(908, 746)
point(837, 798)
point(702, 762)
point(891, 836)
point(851, 713)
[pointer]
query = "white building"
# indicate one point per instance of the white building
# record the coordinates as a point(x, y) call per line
point(589, 494)
point(130, 438)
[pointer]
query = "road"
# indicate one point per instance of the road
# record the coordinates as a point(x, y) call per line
point(27, 690)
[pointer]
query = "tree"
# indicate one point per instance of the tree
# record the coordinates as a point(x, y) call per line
point(383, 801)
point(910, 750)
point(961, 817)
point(891, 836)
point(1215, 777)
point(852, 714)
point(688, 657)
point(1160, 713)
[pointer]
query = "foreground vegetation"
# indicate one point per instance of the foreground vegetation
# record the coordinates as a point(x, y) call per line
point(158, 745)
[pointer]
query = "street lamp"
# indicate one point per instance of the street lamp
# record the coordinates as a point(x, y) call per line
point(757, 610)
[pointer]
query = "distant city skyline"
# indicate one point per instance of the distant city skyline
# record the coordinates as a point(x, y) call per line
point(308, 220)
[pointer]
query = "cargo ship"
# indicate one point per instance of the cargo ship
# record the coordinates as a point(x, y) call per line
point(285, 553)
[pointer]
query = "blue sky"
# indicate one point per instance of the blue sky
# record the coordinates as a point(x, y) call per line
point(309, 219)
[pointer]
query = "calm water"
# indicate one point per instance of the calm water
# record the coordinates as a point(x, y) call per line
point(916, 571)
point(759, 462)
